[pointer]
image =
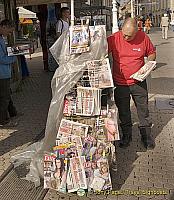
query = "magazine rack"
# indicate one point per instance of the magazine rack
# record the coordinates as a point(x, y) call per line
point(76, 144)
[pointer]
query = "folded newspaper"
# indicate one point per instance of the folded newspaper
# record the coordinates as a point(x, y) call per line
point(142, 73)
point(19, 50)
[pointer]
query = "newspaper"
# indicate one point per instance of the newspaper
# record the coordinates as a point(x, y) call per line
point(76, 175)
point(142, 73)
point(18, 50)
point(79, 39)
point(88, 101)
point(68, 127)
point(99, 73)
point(55, 173)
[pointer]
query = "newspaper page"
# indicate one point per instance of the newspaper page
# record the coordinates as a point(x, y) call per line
point(55, 173)
point(79, 39)
point(68, 127)
point(88, 101)
point(142, 73)
point(18, 50)
point(76, 175)
point(99, 73)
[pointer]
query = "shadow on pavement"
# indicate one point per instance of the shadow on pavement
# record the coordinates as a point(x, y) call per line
point(159, 65)
point(127, 159)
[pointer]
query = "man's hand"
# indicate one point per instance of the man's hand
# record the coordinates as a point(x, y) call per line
point(151, 57)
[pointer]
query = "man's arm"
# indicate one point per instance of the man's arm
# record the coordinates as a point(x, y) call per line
point(151, 57)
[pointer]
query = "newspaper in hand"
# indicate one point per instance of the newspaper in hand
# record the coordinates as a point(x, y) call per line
point(18, 50)
point(99, 73)
point(142, 73)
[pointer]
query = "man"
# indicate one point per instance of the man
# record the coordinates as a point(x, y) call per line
point(128, 48)
point(7, 108)
point(164, 26)
point(63, 22)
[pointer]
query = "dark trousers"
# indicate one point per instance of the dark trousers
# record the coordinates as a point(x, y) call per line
point(7, 109)
point(140, 97)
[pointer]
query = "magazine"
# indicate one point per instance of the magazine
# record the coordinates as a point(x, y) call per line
point(55, 173)
point(70, 104)
point(142, 73)
point(111, 126)
point(100, 177)
point(88, 101)
point(76, 175)
point(99, 73)
point(19, 50)
point(79, 39)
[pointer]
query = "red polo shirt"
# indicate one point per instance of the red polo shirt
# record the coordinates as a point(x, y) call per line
point(128, 57)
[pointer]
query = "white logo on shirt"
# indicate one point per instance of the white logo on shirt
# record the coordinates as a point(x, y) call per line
point(137, 49)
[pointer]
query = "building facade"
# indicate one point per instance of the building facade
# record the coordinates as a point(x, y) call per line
point(155, 9)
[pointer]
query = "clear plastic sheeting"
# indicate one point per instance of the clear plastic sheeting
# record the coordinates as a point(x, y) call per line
point(71, 68)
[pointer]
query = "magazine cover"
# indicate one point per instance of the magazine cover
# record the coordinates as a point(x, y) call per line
point(55, 173)
point(100, 179)
point(18, 50)
point(111, 126)
point(76, 175)
point(142, 73)
point(99, 72)
point(79, 39)
point(70, 104)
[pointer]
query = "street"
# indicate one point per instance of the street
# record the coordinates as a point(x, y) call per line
point(138, 170)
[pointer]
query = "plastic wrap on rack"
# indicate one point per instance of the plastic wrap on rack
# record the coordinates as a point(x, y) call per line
point(70, 70)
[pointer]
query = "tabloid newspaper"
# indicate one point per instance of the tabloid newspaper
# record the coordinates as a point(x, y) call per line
point(18, 50)
point(142, 73)
point(99, 73)
point(76, 175)
point(79, 39)
point(55, 172)
point(88, 101)
point(68, 127)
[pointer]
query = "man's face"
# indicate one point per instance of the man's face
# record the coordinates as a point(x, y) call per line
point(66, 14)
point(128, 33)
point(6, 30)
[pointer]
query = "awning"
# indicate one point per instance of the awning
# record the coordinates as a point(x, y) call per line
point(25, 21)
point(24, 13)
point(38, 2)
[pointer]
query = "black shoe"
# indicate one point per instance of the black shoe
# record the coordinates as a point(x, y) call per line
point(125, 141)
point(146, 138)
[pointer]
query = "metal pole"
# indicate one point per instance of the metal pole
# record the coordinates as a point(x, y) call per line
point(72, 12)
point(114, 17)
point(132, 9)
point(137, 8)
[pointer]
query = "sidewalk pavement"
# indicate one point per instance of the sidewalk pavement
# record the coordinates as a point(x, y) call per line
point(138, 169)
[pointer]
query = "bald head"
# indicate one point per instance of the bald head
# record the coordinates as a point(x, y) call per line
point(129, 29)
